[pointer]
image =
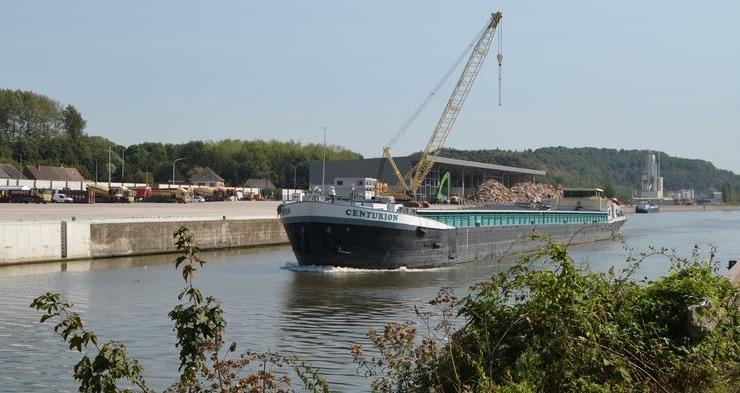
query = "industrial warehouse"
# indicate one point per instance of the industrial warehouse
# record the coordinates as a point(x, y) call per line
point(464, 176)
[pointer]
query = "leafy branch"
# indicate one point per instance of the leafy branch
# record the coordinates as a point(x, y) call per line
point(108, 366)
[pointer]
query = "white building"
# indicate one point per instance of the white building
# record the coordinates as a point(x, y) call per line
point(682, 196)
point(651, 184)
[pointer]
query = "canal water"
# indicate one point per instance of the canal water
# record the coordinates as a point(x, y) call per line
point(271, 304)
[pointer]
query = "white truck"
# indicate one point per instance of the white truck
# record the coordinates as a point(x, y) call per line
point(61, 198)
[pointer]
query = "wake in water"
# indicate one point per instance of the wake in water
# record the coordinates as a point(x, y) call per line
point(293, 266)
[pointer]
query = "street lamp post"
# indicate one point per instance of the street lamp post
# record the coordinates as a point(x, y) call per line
point(123, 164)
point(323, 165)
point(108, 166)
point(96, 169)
point(173, 168)
point(294, 175)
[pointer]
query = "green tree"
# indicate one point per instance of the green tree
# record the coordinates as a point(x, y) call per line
point(199, 326)
point(609, 190)
point(565, 329)
point(73, 123)
point(593, 167)
point(727, 193)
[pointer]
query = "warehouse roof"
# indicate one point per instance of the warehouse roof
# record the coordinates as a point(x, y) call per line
point(8, 171)
point(482, 165)
point(259, 183)
point(42, 172)
point(380, 168)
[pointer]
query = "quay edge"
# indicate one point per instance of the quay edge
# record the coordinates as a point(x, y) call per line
point(29, 242)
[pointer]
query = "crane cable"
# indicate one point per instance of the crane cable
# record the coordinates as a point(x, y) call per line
point(500, 58)
point(405, 126)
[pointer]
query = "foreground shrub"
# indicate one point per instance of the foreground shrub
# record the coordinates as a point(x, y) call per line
point(558, 329)
point(205, 365)
point(564, 329)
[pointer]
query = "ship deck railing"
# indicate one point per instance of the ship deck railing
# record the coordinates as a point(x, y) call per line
point(467, 218)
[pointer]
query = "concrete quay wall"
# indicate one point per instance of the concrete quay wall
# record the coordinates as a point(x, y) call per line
point(30, 241)
point(24, 242)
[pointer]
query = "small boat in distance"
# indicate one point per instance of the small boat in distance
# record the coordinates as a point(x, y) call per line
point(646, 207)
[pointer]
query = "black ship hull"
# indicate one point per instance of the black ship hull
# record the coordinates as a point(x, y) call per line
point(348, 244)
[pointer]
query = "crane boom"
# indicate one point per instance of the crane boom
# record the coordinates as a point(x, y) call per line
point(450, 112)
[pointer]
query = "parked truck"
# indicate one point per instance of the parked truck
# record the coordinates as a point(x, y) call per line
point(104, 194)
point(22, 194)
point(212, 194)
point(79, 196)
point(141, 193)
point(59, 197)
point(179, 195)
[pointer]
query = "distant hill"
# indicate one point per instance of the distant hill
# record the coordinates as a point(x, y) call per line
point(596, 167)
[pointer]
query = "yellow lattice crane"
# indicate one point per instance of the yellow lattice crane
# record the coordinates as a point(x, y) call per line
point(449, 114)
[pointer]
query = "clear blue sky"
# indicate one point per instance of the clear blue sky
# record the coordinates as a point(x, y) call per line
point(629, 74)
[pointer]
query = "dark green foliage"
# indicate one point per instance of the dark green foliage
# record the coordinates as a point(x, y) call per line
point(609, 190)
point(73, 123)
point(108, 367)
point(35, 129)
point(594, 167)
point(199, 324)
point(730, 193)
point(564, 329)
point(199, 327)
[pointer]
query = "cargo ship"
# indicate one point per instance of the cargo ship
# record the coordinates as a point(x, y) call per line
point(378, 233)
point(373, 235)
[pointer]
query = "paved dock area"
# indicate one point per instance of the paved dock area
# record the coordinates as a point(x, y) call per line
point(14, 212)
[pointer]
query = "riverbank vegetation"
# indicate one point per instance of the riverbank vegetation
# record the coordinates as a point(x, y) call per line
point(730, 193)
point(35, 129)
point(618, 170)
point(206, 364)
point(565, 329)
point(545, 325)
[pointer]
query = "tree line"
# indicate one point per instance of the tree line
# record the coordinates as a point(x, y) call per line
point(730, 193)
point(35, 129)
point(616, 170)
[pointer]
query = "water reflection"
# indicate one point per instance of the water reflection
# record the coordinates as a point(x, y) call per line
point(84, 265)
point(313, 314)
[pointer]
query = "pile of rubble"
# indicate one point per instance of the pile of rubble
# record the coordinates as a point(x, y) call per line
point(530, 192)
point(491, 191)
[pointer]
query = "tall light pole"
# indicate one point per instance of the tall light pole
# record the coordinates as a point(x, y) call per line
point(123, 163)
point(96, 169)
point(146, 163)
point(323, 165)
point(294, 175)
point(173, 168)
point(108, 166)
